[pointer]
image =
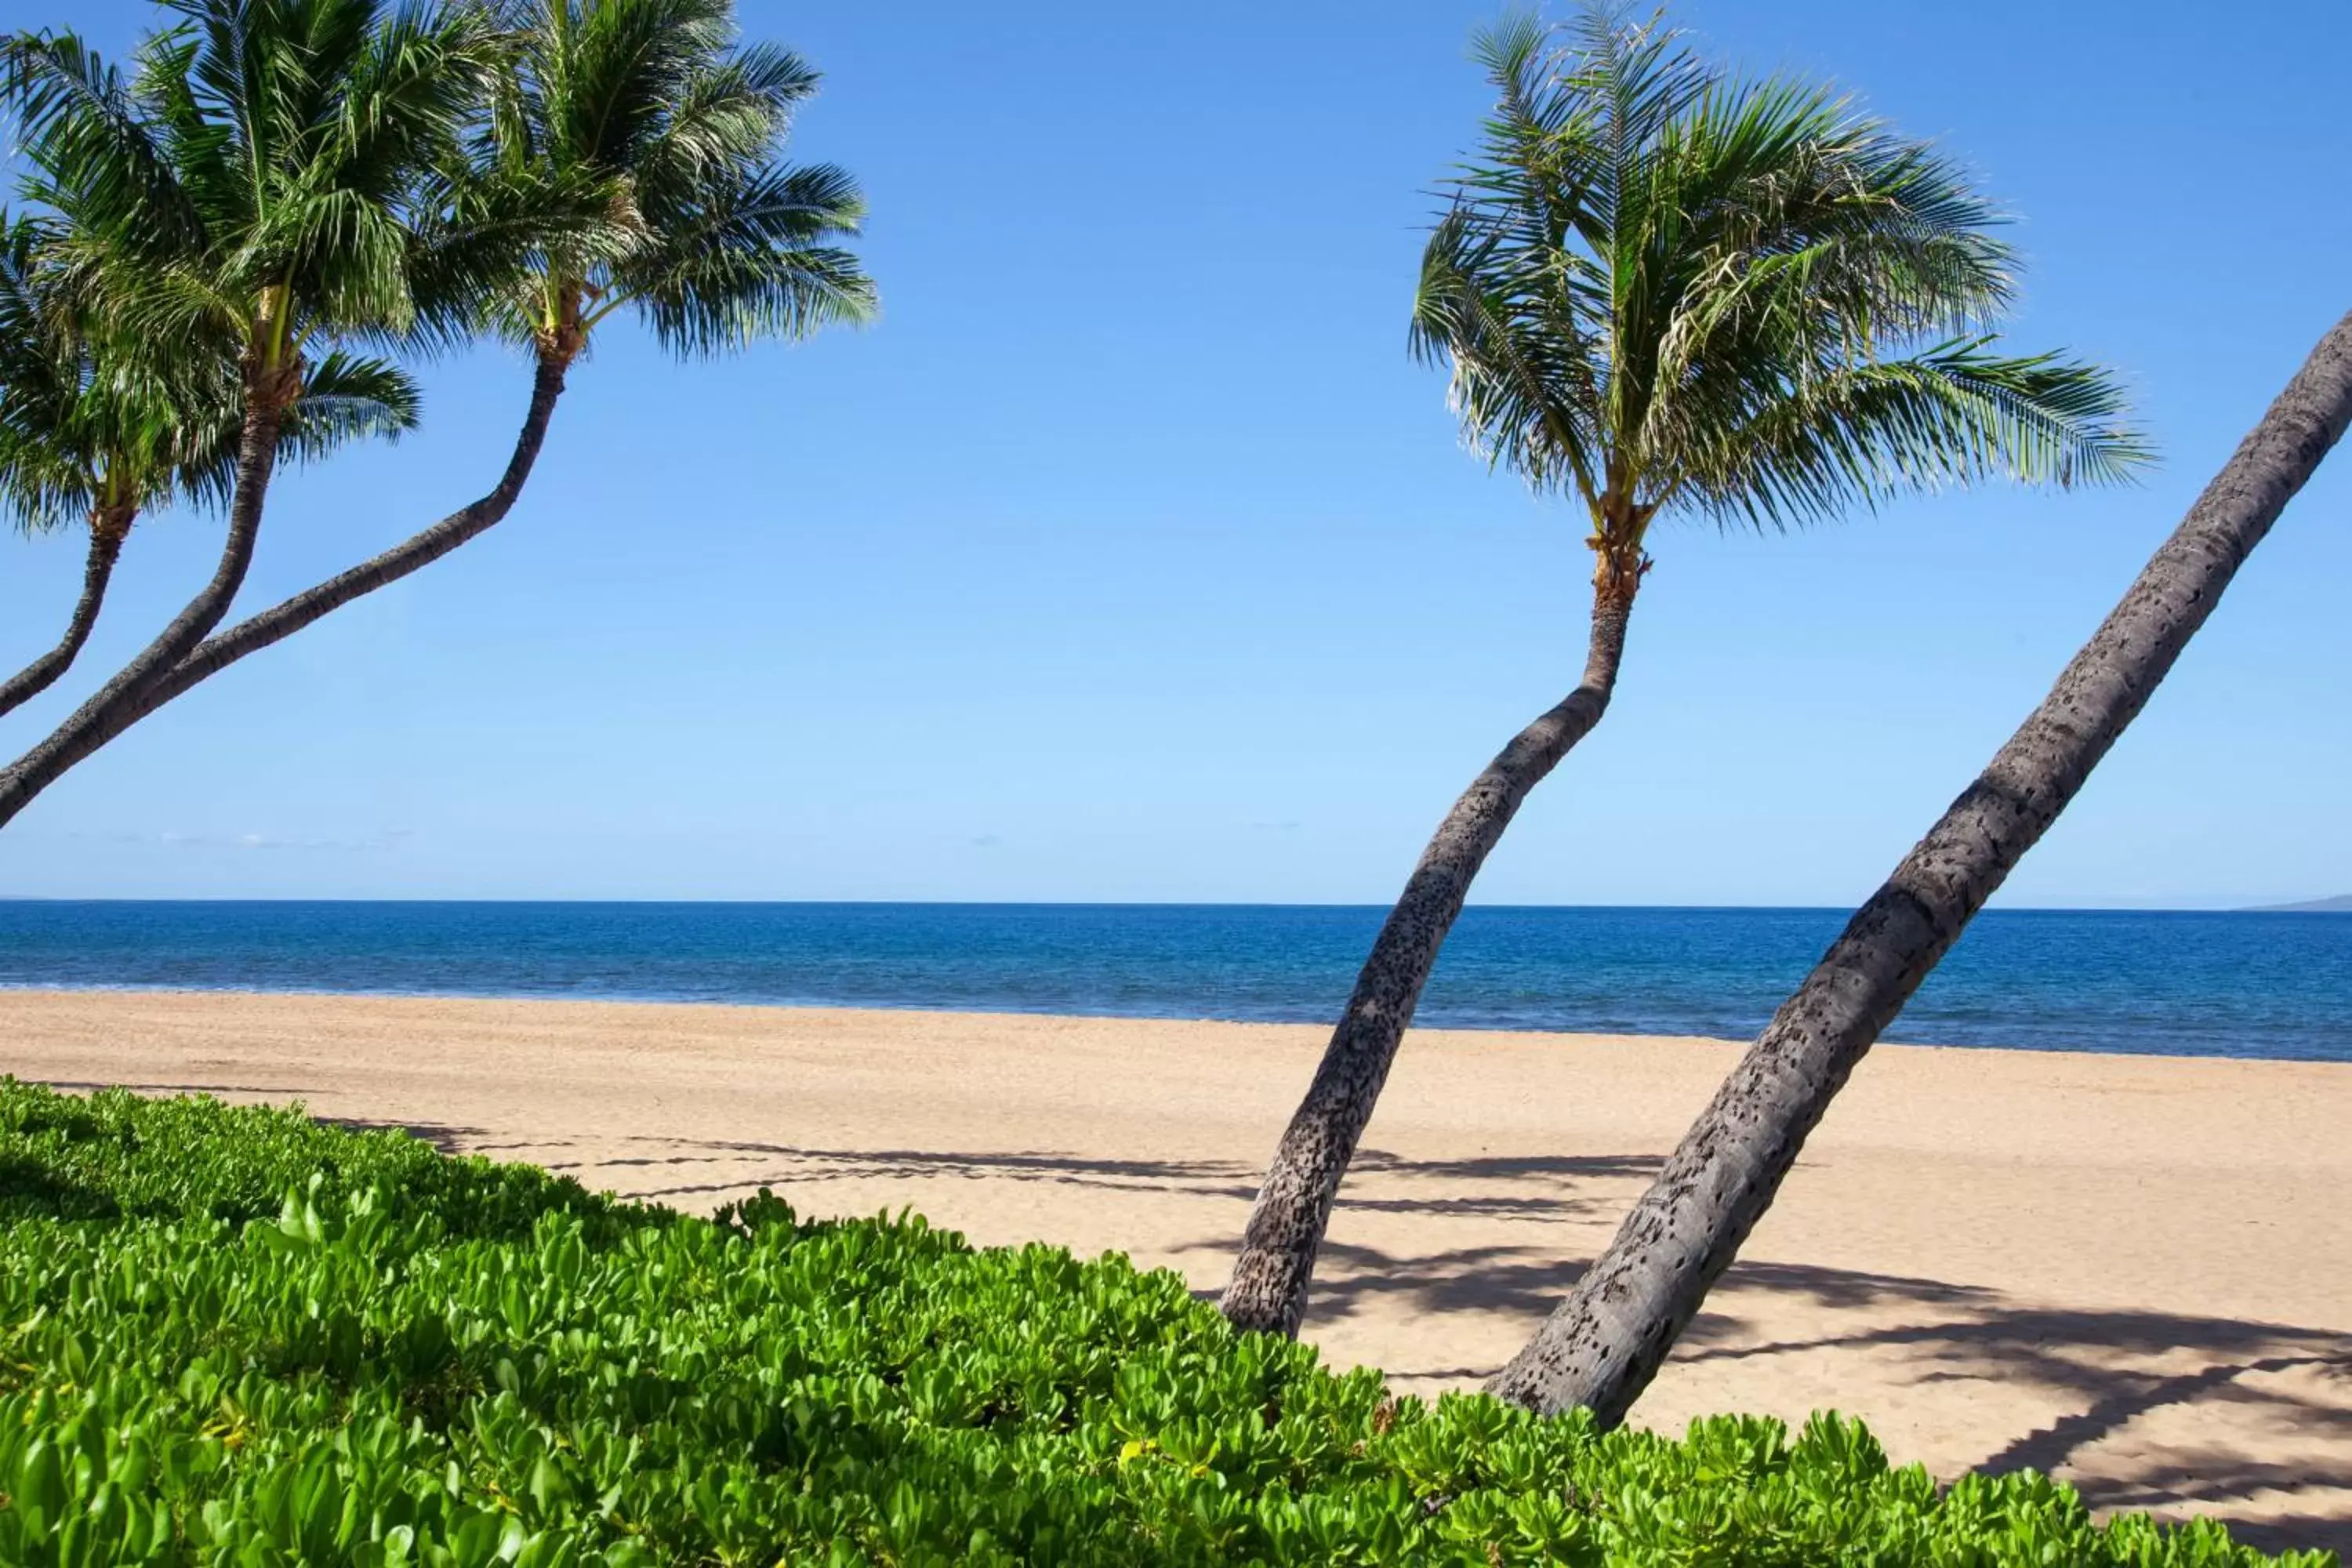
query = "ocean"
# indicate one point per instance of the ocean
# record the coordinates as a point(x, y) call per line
point(2178, 983)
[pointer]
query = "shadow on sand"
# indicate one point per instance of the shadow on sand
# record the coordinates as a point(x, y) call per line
point(2104, 1369)
point(781, 1165)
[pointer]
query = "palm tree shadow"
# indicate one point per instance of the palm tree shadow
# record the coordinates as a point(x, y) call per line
point(731, 1164)
point(2114, 1369)
point(34, 1188)
point(2106, 1370)
point(1544, 1189)
point(1527, 1281)
point(448, 1137)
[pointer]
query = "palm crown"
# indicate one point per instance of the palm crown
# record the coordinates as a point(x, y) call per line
point(702, 230)
point(260, 183)
point(283, 177)
point(1661, 287)
point(93, 430)
point(81, 436)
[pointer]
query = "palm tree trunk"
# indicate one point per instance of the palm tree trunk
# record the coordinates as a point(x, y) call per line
point(98, 720)
point(1605, 1343)
point(285, 618)
point(107, 527)
point(1268, 1291)
point(255, 632)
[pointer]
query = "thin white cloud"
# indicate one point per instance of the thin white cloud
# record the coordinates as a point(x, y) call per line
point(173, 839)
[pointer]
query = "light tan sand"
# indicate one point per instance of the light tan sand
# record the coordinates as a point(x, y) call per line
point(2134, 1271)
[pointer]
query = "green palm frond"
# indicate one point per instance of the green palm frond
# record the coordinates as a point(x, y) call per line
point(75, 429)
point(753, 261)
point(299, 180)
point(479, 257)
point(89, 418)
point(45, 482)
point(1955, 413)
point(88, 137)
point(1660, 286)
point(1527, 372)
point(349, 397)
point(269, 161)
point(653, 109)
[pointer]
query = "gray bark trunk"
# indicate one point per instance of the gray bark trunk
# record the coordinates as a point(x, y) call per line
point(1605, 1343)
point(198, 661)
point(106, 535)
point(1285, 1232)
point(97, 719)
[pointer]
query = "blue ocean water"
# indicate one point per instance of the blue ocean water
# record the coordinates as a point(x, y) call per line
point(2182, 983)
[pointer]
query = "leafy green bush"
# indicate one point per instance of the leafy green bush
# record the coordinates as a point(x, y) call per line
point(418, 1360)
point(116, 1155)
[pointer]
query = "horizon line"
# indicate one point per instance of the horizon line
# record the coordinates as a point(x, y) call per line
point(2290, 907)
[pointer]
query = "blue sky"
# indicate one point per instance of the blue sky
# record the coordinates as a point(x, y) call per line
point(1129, 557)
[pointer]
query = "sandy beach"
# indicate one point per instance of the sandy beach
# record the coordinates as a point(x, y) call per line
point(2134, 1271)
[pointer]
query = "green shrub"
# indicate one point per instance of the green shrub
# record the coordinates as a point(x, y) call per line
point(418, 1359)
point(119, 1156)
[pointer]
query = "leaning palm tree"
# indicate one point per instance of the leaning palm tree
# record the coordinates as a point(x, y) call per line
point(1662, 289)
point(650, 115)
point(94, 433)
point(1603, 1346)
point(251, 200)
point(77, 445)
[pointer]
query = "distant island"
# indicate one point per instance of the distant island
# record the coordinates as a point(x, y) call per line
point(2340, 905)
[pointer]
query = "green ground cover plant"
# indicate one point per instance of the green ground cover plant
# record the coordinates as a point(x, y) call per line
point(235, 1336)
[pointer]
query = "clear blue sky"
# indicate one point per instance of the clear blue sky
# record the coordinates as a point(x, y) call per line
point(1129, 558)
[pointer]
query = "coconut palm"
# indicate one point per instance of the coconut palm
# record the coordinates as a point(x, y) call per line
point(1603, 1346)
point(1662, 289)
point(90, 435)
point(252, 199)
point(650, 116)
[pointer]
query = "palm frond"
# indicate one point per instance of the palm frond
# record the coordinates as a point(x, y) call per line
point(704, 231)
point(756, 261)
point(1955, 413)
point(89, 416)
point(85, 137)
point(346, 397)
point(1661, 285)
point(1523, 381)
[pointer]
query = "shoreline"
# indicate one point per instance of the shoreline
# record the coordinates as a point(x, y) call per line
point(2190, 983)
point(2135, 1271)
point(920, 1009)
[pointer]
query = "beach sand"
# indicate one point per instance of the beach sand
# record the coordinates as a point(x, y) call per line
point(2135, 1272)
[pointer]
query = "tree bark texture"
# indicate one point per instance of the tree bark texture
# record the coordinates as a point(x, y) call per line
point(1605, 1343)
point(107, 528)
point(100, 718)
point(201, 660)
point(1286, 1226)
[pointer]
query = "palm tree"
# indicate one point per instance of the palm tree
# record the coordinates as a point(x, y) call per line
point(1662, 289)
point(251, 199)
point(90, 435)
point(1606, 1341)
point(648, 115)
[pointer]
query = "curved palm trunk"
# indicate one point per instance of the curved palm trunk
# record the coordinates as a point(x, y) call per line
point(107, 527)
point(100, 718)
point(1268, 1291)
point(285, 618)
point(201, 660)
point(1605, 1343)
